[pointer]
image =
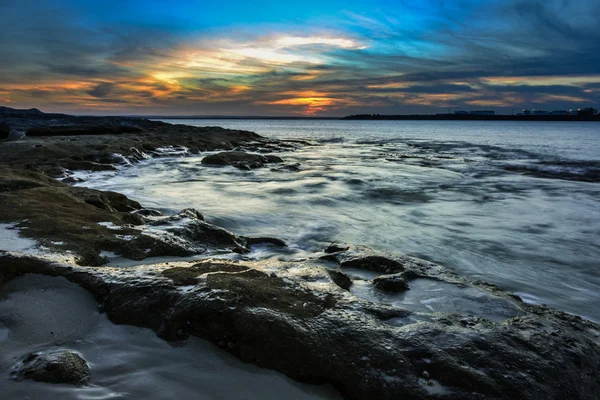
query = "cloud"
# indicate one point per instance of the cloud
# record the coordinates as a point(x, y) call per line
point(390, 57)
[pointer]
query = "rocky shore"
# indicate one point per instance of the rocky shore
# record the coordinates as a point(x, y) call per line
point(311, 319)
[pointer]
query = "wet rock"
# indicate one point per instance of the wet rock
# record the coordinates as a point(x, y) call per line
point(251, 241)
point(90, 166)
point(340, 279)
point(385, 263)
point(78, 130)
point(148, 212)
point(240, 159)
point(335, 248)
point(111, 201)
point(63, 366)
point(373, 263)
point(182, 276)
point(189, 226)
point(287, 168)
point(391, 283)
point(336, 338)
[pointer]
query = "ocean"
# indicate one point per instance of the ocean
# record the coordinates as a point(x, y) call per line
point(516, 204)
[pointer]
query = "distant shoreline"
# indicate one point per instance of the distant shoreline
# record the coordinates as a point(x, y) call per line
point(470, 117)
point(439, 117)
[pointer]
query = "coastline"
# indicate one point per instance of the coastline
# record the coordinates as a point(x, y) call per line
point(460, 117)
point(269, 313)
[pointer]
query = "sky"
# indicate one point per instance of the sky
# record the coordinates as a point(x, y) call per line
point(309, 58)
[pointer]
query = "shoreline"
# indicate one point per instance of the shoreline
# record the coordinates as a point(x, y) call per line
point(459, 117)
point(298, 318)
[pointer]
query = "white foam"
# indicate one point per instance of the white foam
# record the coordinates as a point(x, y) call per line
point(10, 240)
point(109, 225)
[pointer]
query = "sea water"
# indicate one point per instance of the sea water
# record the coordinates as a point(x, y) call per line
point(511, 203)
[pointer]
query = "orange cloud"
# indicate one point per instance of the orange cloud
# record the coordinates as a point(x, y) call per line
point(311, 102)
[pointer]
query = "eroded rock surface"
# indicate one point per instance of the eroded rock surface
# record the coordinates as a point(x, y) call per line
point(316, 332)
point(61, 366)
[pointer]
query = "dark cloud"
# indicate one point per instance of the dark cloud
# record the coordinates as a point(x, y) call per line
point(421, 57)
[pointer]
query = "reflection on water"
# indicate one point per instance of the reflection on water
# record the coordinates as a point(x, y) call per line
point(428, 295)
point(514, 204)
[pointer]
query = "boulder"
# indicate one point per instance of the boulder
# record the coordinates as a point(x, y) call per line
point(240, 159)
point(62, 366)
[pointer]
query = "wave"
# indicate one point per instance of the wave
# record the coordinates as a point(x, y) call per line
point(581, 171)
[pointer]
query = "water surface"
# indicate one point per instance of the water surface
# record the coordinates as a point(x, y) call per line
point(511, 203)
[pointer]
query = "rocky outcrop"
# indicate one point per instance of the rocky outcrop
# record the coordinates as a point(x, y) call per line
point(91, 224)
point(58, 143)
point(360, 257)
point(365, 349)
point(240, 159)
point(79, 130)
point(61, 366)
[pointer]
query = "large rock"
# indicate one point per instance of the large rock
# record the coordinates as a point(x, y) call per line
point(62, 366)
point(367, 350)
point(240, 159)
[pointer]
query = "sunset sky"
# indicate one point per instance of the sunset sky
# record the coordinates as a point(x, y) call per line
point(313, 58)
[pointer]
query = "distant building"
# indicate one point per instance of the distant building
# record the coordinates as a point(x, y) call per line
point(525, 112)
point(539, 112)
point(483, 112)
point(461, 113)
point(587, 111)
point(560, 112)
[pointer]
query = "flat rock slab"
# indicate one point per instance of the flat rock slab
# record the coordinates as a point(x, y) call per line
point(240, 159)
point(314, 331)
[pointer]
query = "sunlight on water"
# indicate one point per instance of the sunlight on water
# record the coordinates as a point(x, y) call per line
point(515, 204)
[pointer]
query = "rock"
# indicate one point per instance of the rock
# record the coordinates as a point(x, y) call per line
point(78, 130)
point(385, 263)
point(90, 166)
point(334, 248)
point(62, 366)
point(251, 241)
point(4, 130)
point(189, 226)
point(148, 212)
point(111, 201)
point(391, 283)
point(287, 168)
point(335, 338)
point(373, 263)
point(240, 159)
point(340, 279)
point(182, 276)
